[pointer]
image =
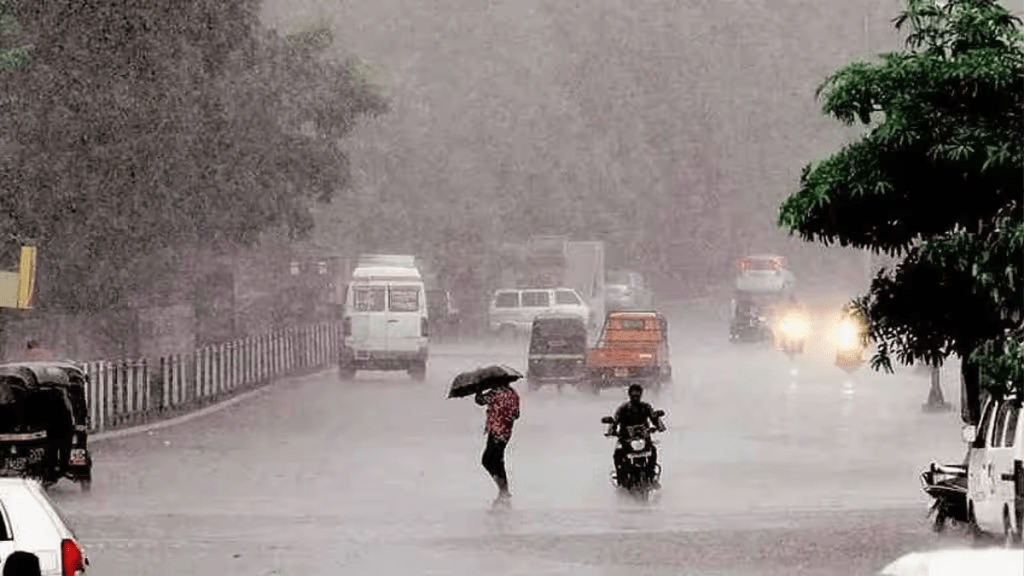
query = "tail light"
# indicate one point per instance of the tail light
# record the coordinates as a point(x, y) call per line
point(423, 327)
point(73, 561)
point(776, 264)
point(744, 264)
point(346, 327)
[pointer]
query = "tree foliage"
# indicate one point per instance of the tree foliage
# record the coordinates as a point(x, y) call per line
point(936, 182)
point(145, 131)
point(12, 56)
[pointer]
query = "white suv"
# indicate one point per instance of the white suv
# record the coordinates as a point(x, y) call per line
point(30, 522)
point(513, 309)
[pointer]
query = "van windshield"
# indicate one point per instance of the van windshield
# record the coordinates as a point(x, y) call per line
point(405, 299)
point(368, 299)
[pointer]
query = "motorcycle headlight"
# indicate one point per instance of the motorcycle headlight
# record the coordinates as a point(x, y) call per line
point(848, 336)
point(795, 327)
point(637, 444)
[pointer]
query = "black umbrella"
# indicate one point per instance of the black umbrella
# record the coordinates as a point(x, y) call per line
point(469, 383)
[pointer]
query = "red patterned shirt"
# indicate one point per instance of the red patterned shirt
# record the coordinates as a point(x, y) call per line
point(502, 412)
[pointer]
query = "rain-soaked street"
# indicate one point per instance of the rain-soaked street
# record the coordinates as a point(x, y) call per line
point(766, 472)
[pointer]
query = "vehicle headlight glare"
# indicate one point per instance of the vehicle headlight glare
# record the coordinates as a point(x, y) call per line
point(795, 327)
point(848, 337)
point(637, 444)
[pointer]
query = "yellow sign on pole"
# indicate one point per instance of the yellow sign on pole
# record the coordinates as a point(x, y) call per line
point(27, 277)
point(18, 289)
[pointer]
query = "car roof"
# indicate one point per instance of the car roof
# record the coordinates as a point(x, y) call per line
point(558, 316)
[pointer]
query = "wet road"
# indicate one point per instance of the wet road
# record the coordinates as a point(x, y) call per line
point(770, 468)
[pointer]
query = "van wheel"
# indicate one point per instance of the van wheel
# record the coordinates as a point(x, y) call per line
point(978, 537)
point(1010, 537)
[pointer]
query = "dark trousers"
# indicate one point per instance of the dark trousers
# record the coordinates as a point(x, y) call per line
point(494, 461)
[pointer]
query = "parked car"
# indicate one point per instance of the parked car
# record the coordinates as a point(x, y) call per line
point(513, 310)
point(31, 522)
point(627, 290)
point(995, 470)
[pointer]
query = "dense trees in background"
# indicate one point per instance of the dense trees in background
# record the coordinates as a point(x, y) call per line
point(935, 182)
point(670, 130)
point(140, 133)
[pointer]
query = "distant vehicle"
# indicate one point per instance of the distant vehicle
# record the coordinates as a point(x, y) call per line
point(749, 316)
point(633, 347)
point(764, 273)
point(558, 262)
point(513, 310)
point(558, 351)
point(444, 316)
point(627, 290)
point(31, 522)
point(385, 326)
point(995, 469)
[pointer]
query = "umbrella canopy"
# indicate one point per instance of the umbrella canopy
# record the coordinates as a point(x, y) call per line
point(481, 379)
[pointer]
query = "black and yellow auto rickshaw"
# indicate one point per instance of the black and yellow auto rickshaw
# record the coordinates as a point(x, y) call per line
point(558, 351)
point(58, 406)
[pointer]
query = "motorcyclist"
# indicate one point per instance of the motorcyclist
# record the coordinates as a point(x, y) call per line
point(634, 412)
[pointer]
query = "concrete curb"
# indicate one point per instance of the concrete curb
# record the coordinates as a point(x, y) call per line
point(212, 409)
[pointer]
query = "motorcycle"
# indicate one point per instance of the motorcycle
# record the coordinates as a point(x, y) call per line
point(947, 484)
point(792, 334)
point(641, 475)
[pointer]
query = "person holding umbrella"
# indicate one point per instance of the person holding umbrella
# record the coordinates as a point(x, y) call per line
point(492, 388)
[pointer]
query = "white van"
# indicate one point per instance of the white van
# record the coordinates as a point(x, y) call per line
point(514, 309)
point(995, 469)
point(385, 321)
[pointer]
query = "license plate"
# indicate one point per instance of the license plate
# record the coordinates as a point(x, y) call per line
point(621, 372)
point(17, 464)
point(77, 457)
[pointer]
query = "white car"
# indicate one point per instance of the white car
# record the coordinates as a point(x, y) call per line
point(30, 522)
point(959, 562)
point(514, 309)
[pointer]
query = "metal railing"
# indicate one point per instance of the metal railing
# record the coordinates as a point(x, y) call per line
point(131, 392)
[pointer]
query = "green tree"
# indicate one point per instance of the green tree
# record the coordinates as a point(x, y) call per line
point(935, 182)
point(142, 132)
point(11, 56)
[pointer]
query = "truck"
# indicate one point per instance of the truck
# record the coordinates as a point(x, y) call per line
point(558, 262)
point(632, 348)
